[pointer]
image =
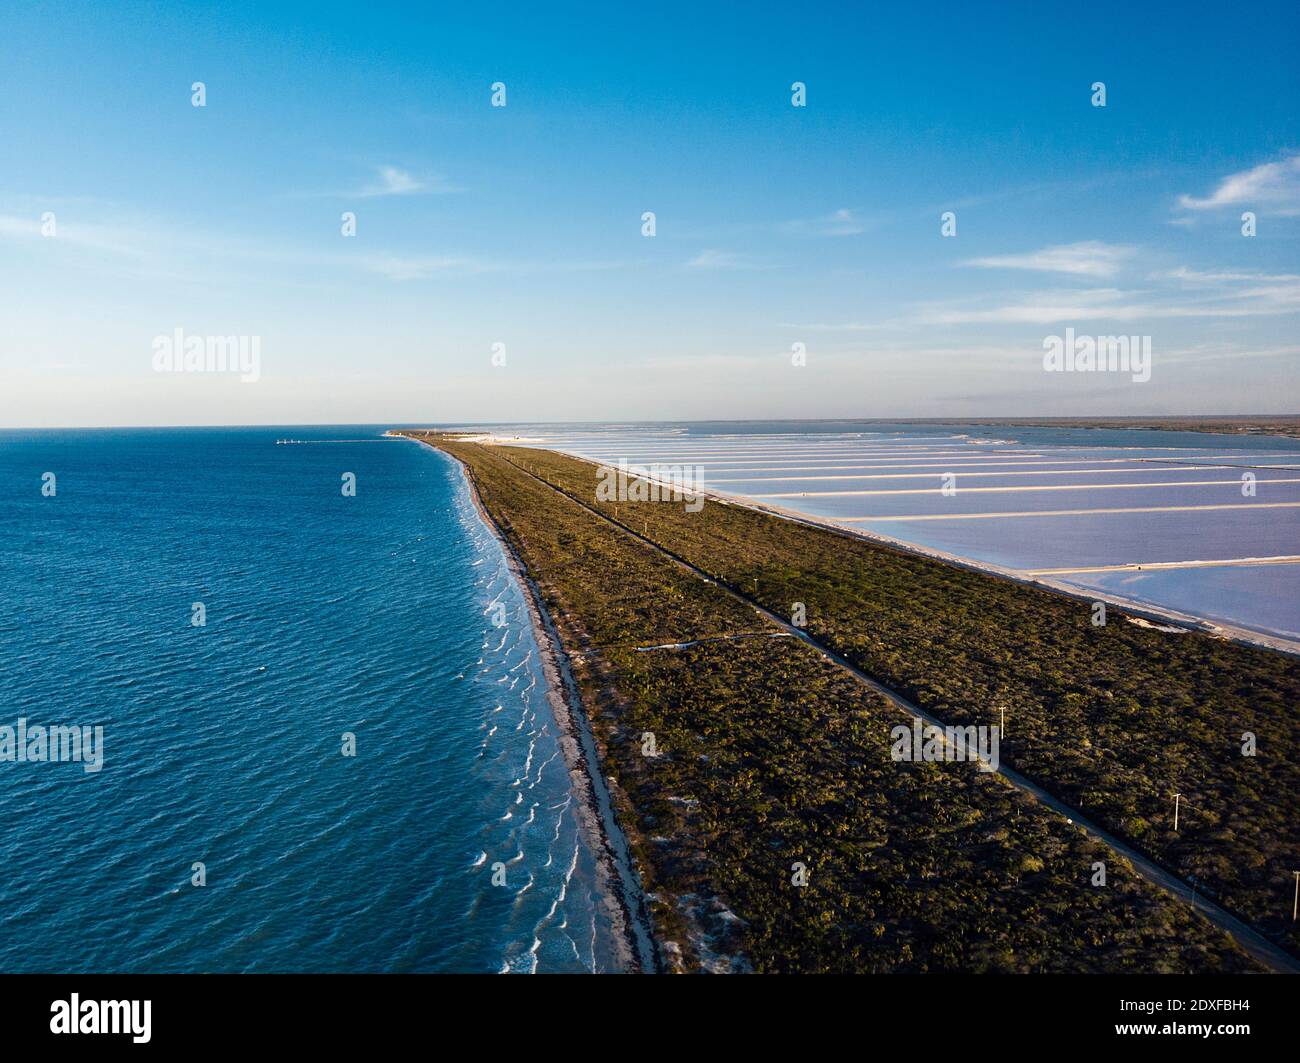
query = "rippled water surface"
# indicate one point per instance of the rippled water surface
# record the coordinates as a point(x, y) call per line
point(375, 615)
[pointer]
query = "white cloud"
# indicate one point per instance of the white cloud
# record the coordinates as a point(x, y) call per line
point(390, 181)
point(115, 239)
point(400, 267)
point(1211, 278)
point(1090, 258)
point(14, 226)
point(843, 222)
point(847, 326)
point(1225, 352)
point(1273, 184)
point(1270, 295)
point(165, 249)
point(419, 267)
point(711, 258)
point(1037, 308)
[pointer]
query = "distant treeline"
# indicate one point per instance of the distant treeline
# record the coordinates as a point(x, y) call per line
point(1280, 425)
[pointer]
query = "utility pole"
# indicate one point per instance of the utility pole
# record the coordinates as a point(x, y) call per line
point(1176, 797)
point(1002, 727)
point(1295, 904)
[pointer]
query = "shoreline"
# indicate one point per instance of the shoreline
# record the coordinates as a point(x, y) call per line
point(619, 892)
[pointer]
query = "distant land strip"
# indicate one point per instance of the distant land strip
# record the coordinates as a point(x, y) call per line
point(1116, 732)
point(1284, 559)
point(1068, 512)
point(1287, 425)
point(1029, 487)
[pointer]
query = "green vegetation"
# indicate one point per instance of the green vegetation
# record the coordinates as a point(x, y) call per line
point(770, 756)
point(1114, 720)
point(1237, 425)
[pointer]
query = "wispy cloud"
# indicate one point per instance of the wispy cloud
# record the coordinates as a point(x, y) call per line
point(421, 267)
point(1213, 278)
point(400, 267)
point(1267, 296)
point(1091, 258)
point(168, 249)
point(1226, 352)
point(113, 239)
point(713, 259)
point(824, 326)
point(842, 222)
point(1036, 308)
point(1275, 185)
point(390, 181)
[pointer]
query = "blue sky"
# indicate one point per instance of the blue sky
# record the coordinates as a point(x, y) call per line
point(521, 225)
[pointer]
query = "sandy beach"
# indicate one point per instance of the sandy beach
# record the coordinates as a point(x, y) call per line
point(618, 884)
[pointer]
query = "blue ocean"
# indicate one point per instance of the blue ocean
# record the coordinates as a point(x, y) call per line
point(228, 616)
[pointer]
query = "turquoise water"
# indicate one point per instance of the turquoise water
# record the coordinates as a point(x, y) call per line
point(375, 615)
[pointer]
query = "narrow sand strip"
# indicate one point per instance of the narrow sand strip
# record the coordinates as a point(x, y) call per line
point(1287, 559)
point(967, 475)
point(1031, 487)
point(1068, 512)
